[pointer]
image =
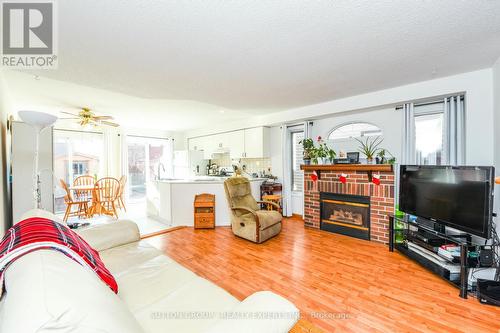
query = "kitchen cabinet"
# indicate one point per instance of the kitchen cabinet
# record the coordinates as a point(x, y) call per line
point(236, 146)
point(256, 142)
point(246, 143)
point(195, 144)
point(202, 143)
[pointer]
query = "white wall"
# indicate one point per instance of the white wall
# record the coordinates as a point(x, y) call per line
point(496, 104)
point(479, 103)
point(4, 156)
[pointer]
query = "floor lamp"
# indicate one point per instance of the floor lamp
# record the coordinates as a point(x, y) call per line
point(39, 121)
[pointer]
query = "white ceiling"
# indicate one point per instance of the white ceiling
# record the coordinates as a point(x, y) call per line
point(195, 57)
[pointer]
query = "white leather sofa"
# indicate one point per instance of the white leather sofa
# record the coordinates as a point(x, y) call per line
point(48, 292)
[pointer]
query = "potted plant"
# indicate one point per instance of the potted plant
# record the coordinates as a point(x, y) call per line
point(321, 153)
point(331, 155)
point(308, 146)
point(370, 147)
point(382, 159)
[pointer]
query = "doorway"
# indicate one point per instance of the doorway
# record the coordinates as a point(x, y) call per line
point(147, 160)
point(295, 136)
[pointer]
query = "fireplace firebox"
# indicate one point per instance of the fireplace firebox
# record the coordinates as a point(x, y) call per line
point(345, 214)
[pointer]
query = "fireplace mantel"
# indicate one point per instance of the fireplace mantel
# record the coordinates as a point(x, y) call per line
point(368, 168)
point(348, 167)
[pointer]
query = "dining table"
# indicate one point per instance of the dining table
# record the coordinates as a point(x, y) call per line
point(96, 207)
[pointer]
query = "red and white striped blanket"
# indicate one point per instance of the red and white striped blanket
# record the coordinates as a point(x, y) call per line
point(38, 233)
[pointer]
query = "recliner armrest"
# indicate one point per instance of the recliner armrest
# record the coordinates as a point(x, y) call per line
point(112, 234)
point(263, 312)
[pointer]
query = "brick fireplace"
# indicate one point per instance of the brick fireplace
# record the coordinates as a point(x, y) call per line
point(379, 198)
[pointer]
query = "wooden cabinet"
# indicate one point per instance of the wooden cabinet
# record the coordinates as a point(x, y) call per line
point(204, 211)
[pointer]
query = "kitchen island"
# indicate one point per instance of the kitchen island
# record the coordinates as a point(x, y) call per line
point(171, 200)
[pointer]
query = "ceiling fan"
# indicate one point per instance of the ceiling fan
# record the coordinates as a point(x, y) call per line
point(87, 117)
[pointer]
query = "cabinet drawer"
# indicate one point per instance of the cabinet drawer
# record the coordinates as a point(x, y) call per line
point(204, 221)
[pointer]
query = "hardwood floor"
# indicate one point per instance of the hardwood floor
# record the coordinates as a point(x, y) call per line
point(339, 283)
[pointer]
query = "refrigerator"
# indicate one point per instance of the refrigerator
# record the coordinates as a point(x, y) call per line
point(189, 163)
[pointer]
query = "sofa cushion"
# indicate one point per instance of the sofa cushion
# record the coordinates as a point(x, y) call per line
point(41, 213)
point(262, 311)
point(135, 253)
point(56, 294)
point(110, 234)
point(192, 307)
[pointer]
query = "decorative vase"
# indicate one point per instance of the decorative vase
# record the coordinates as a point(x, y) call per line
point(369, 160)
point(307, 161)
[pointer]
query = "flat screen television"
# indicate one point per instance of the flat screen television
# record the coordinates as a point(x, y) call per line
point(458, 197)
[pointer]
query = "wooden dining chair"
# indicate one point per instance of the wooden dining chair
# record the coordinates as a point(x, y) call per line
point(106, 190)
point(119, 201)
point(80, 181)
point(82, 204)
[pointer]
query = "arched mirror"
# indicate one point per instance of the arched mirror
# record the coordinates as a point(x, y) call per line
point(343, 138)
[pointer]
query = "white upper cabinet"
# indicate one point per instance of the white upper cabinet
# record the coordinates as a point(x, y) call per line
point(247, 143)
point(236, 145)
point(256, 142)
point(195, 144)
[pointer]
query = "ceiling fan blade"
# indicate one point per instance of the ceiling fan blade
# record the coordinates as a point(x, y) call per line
point(103, 117)
point(75, 118)
point(71, 114)
point(109, 123)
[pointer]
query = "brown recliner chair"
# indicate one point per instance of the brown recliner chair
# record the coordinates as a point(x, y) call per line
point(247, 219)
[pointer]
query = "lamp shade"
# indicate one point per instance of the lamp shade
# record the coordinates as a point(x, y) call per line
point(39, 120)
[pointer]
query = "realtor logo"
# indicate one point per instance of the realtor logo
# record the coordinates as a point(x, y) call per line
point(28, 34)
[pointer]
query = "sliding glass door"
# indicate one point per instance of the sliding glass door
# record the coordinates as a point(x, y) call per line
point(148, 159)
point(76, 153)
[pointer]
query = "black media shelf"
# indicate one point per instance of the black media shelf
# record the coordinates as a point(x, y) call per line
point(433, 267)
point(402, 247)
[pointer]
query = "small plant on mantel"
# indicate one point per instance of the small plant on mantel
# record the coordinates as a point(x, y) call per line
point(370, 147)
point(331, 155)
point(308, 146)
point(381, 157)
point(321, 152)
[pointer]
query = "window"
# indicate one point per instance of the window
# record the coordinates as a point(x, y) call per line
point(76, 153)
point(429, 139)
point(343, 138)
point(434, 132)
point(354, 130)
point(297, 150)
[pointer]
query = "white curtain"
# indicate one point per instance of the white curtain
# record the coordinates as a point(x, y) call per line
point(408, 149)
point(287, 175)
point(454, 125)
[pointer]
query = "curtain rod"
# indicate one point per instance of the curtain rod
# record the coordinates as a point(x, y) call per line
point(462, 97)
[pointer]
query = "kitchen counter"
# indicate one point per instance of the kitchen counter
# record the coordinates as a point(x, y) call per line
point(171, 200)
point(203, 180)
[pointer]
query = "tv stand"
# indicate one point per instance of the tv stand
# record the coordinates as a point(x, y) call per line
point(416, 241)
